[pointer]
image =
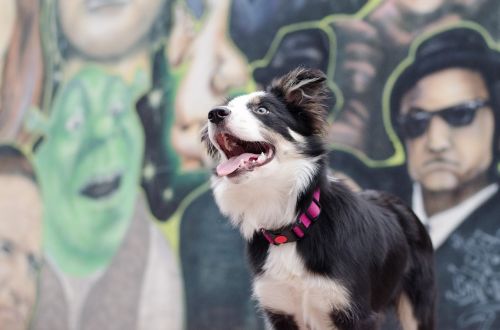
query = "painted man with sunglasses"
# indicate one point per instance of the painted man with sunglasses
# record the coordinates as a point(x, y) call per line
point(444, 109)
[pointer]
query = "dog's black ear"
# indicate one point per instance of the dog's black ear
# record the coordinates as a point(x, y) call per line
point(304, 92)
point(210, 148)
point(300, 85)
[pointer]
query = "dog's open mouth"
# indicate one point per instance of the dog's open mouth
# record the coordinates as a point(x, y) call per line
point(242, 155)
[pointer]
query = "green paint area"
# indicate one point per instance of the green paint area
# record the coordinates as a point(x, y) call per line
point(89, 165)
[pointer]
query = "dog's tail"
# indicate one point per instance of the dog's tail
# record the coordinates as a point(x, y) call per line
point(416, 303)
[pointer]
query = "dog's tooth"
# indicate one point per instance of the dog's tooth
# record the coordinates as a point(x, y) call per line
point(262, 157)
point(226, 143)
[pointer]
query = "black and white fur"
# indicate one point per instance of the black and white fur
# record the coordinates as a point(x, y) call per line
point(366, 251)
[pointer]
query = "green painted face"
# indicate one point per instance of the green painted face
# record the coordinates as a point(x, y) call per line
point(89, 167)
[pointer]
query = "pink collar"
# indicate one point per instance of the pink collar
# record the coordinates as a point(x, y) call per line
point(297, 230)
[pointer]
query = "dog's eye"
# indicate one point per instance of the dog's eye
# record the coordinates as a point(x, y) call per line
point(261, 111)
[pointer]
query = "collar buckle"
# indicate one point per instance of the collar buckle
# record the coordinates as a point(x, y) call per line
point(297, 230)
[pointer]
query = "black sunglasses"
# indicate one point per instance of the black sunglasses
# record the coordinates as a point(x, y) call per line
point(415, 123)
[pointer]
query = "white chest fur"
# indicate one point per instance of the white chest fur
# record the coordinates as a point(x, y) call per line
point(287, 287)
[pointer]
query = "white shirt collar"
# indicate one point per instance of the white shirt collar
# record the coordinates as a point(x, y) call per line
point(442, 224)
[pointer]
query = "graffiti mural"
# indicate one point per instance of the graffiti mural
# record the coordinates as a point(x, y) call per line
point(102, 170)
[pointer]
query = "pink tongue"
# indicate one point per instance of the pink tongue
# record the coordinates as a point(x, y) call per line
point(232, 164)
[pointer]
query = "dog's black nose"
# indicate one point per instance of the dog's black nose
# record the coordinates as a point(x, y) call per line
point(217, 115)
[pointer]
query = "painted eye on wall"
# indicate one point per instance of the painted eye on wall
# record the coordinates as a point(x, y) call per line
point(261, 111)
point(6, 247)
point(74, 122)
point(116, 109)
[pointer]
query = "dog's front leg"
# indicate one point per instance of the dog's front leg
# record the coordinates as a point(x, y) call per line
point(280, 301)
point(345, 321)
point(279, 321)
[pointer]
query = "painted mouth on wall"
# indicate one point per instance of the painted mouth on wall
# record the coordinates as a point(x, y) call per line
point(10, 316)
point(441, 164)
point(102, 187)
point(93, 5)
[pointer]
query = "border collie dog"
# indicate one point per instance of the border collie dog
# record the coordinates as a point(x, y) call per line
point(322, 256)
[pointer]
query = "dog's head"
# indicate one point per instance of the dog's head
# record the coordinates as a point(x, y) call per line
point(267, 132)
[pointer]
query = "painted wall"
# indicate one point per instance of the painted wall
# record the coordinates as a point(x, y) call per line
point(106, 218)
